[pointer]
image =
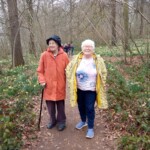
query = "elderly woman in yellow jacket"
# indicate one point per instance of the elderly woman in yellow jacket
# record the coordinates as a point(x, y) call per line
point(86, 75)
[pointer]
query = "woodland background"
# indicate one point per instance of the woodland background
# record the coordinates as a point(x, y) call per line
point(121, 31)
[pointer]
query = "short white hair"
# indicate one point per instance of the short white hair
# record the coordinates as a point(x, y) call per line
point(88, 42)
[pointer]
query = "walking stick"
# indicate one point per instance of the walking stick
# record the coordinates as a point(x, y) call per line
point(39, 121)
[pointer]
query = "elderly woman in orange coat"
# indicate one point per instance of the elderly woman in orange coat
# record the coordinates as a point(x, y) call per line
point(51, 75)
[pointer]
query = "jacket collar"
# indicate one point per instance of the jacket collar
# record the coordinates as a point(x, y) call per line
point(80, 55)
point(60, 51)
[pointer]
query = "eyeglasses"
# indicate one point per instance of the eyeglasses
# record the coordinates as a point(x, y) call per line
point(88, 46)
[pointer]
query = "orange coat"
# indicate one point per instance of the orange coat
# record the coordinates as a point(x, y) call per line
point(51, 70)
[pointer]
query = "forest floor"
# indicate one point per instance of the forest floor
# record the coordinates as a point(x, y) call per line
point(71, 138)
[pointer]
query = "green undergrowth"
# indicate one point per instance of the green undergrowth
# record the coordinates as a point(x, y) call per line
point(129, 105)
point(18, 86)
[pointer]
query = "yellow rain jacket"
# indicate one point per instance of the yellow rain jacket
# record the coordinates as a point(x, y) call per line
point(100, 81)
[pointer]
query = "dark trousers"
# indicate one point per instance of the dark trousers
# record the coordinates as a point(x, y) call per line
point(60, 107)
point(86, 101)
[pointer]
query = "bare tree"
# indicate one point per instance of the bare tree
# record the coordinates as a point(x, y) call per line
point(53, 16)
point(6, 29)
point(17, 57)
point(71, 12)
point(113, 26)
point(32, 48)
point(5, 17)
point(141, 23)
point(126, 28)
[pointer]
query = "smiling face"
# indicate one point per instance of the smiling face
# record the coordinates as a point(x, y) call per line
point(53, 46)
point(87, 50)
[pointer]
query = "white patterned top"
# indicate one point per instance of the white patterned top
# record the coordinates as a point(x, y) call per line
point(86, 75)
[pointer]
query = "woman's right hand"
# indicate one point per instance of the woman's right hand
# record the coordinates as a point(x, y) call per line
point(43, 84)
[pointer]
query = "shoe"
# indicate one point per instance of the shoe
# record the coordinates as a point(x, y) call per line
point(51, 125)
point(90, 133)
point(61, 126)
point(80, 125)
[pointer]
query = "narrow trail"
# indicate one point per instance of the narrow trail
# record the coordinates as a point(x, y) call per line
point(71, 138)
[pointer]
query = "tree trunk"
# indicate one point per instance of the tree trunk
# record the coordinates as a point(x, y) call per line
point(5, 16)
point(53, 18)
point(32, 48)
point(141, 24)
point(126, 28)
point(17, 57)
point(71, 3)
point(5, 27)
point(113, 25)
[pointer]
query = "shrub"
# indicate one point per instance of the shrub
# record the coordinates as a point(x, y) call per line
point(128, 100)
point(16, 91)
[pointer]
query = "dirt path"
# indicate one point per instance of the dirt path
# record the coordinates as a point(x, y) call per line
point(71, 138)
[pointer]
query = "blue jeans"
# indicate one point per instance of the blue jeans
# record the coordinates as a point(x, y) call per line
point(86, 101)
